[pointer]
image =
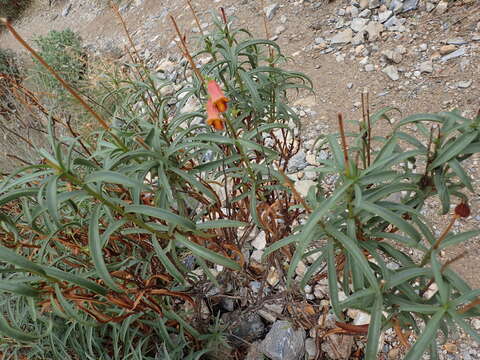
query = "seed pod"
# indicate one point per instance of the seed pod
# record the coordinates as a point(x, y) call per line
point(462, 210)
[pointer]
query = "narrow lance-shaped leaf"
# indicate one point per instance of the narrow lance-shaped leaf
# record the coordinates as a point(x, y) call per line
point(96, 251)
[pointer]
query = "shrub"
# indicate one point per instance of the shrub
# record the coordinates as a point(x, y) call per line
point(95, 239)
point(63, 51)
point(8, 63)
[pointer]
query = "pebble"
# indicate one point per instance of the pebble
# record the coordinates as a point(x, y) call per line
point(447, 49)
point(441, 7)
point(476, 324)
point(270, 11)
point(67, 9)
point(426, 67)
point(359, 24)
point(369, 67)
point(343, 37)
point(456, 41)
point(311, 348)
point(384, 16)
point(284, 342)
point(464, 84)
point(273, 277)
point(260, 241)
point(392, 72)
point(453, 55)
point(302, 186)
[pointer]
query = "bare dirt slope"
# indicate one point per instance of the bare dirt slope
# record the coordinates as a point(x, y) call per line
point(427, 81)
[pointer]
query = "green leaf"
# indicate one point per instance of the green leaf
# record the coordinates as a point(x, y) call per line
point(405, 275)
point(374, 328)
point(308, 230)
point(221, 223)
point(429, 334)
point(10, 257)
point(162, 214)
point(96, 252)
point(18, 287)
point(461, 173)
point(207, 254)
point(106, 176)
point(391, 218)
point(16, 334)
point(332, 279)
point(51, 195)
point(453, 149)
point(452, 240)
point(356, 252)
point(169, 266)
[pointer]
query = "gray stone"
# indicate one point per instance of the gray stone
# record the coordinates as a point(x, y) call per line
point(392, 72)
point(270, 312)
point(319, 40)
point(359, 38)
point(374, 29)
point(453, 55)
point(283, 342)
point(369, 68)
point(409, 5)
point(354, 11)
point(442, 7)
point(394, 21)
point(359, 24)
point(270, 11)
point(384, 16)
point(396, 6)
point(338, 347)
point(343, 37)
point(392, 55)
point(311, 348)
point(297, 162)
point(373, 4)
point(366, 13)
point(254, 352)
point(426, 67)
point(429, 7)
point(67, 9)
point(464, 84)
point(280, 29)
point(302, 186)
point(457, 41)
point(247, 328)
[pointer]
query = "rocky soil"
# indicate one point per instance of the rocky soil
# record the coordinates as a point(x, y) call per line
point(419, 56)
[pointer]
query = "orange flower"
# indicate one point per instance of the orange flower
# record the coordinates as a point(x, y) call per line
point(218, 97)
point(213, 116)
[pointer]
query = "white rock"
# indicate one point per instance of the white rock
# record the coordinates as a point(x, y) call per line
point(302, 186)
point(311, 348)
point(343, 37)
point(426, 67)
point(260, 241)
point(392, 72)
point(476, 324)
point(441, 7)
point(464, 84)
point(270, 11)
point(384, 16)
point(374, 29)
point(301, 268)
point(257, 256)
point(358, 24)
point(361, 318)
